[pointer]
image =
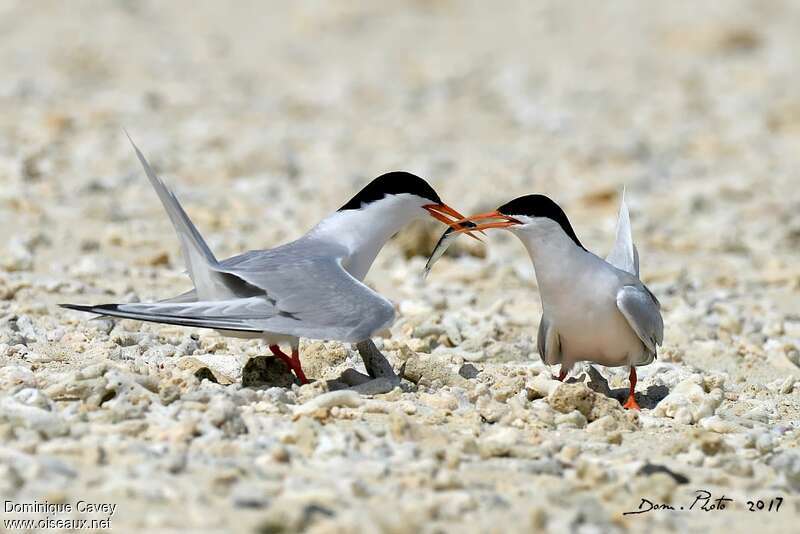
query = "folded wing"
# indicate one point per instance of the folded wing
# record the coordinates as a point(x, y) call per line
point(641, 310)
point(315, 299)
point(316, 296)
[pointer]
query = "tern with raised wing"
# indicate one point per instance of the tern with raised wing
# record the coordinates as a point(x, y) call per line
point(311, 287)
point(592, 309)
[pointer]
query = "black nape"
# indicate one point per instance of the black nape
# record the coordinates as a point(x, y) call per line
point(392, 183)
point(540, 206)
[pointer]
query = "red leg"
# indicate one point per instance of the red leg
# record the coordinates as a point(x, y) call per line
point(562, 374)
point(298, 369)
point(292, 362)
point(631, 403)
point(278, 353)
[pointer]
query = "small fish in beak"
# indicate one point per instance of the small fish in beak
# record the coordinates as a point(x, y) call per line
point(466, 224)
point(440, 213)
point(504, 222)
point(444, 243)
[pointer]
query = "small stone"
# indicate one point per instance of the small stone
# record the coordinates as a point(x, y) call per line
point(569, 453)
point(204, 373)
point(169, 393)
point(280, 454)
point(376, 386)
point(44, 421)
point(573, 419)
point(712, 444)
point(719, 425)
point(158, 260)
point(498, 442)
point(266, 372)
point(568, 397)
point(425, 369)
point(765, 443)
point(688, 402)
point(13, 376)
point(490, 410)
point(322, 403)
point(468, 371)
point(591, 472)
point(787, 386)
point(603, 425)
point(787, 464)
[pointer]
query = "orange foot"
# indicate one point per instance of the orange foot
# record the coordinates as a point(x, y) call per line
point(631, 404)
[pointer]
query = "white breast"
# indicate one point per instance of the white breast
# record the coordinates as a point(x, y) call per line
point(579, 292)
point(589, 324)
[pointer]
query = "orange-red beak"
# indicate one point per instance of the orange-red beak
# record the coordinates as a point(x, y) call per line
point(440, 212)
point(504, 222)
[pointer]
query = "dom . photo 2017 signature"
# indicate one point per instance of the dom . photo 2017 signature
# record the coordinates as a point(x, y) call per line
point(705, 502)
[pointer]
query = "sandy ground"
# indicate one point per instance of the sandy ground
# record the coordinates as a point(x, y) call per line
point(267, 117)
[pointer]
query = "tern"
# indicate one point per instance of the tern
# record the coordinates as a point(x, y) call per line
point(592, 309)
point(311, 287)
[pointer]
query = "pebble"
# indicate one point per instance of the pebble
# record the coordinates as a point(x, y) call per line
point(574, 419)
point(477, 432)
point(42, 420)
point(498, 442)
point(266, 372)
point(787, 464)
point(324, 402)
point(688, 402)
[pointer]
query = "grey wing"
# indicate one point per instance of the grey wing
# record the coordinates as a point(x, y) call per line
point(624, 255)
point(237, 314)
point(189, 296)
point(641, 310)
point(541, 340)
point(314, 296)
point(299, 289)
point(547, 340)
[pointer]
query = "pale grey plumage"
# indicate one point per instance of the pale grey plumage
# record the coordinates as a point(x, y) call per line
point(618, 273)
point(641, 310)
point(547, 342)
point(299, 289)
point(312, 297)
point(195, 251)
point(624, 255)
point(639, 306)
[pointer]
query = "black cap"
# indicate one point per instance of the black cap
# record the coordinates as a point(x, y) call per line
point(392, 183)
point(540, 206)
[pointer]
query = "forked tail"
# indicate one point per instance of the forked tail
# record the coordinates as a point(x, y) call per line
point(198, 257)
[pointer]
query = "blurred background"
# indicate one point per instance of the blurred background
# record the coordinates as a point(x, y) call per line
point(266, 116)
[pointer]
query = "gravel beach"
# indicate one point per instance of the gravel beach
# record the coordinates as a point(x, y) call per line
point(264, 118)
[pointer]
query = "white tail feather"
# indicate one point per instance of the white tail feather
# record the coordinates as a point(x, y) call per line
point(198, 257)
point(624, 255)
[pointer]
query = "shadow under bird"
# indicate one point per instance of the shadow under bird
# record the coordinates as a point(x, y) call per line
point(311, 287)
point(593, 309)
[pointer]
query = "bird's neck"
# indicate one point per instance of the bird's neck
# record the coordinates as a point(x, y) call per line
point(363, 232)
point(557, 260)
